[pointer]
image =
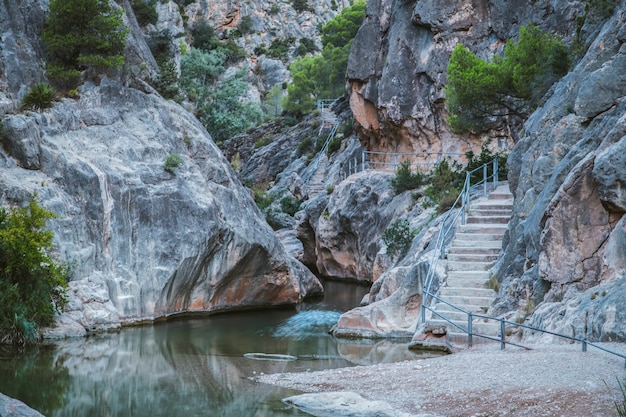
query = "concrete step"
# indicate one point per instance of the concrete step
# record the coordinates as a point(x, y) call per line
point(470, 243)
point(474, 303)
point(478, 229)
point(501, 204)
point(500, 195)
point(468, 282)
point(471, 257)
point(488, 220)
point(478, 326)
point(490, 212)
point(474, 250)
point(466, 292)
point(468, 266)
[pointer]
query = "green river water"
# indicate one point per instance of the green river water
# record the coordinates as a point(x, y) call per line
point(198, 366)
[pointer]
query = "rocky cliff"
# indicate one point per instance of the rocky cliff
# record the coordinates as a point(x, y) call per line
point(563, 265)
point(142, 242)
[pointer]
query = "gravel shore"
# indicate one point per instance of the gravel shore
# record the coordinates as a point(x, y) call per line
point(483, 382)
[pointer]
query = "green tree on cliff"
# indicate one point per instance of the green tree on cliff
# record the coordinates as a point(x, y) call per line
point(32, 283)
point(323, 76)
point(480, 93)
point(82, 35)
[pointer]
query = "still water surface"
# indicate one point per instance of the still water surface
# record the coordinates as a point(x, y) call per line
point(191, 367)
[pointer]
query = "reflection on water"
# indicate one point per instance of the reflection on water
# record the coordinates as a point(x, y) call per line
point(189, 367)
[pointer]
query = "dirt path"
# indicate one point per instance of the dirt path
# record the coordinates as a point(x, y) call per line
point(483, 382)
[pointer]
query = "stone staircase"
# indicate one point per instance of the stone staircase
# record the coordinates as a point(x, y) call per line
point(470, 256)
point(315, 185)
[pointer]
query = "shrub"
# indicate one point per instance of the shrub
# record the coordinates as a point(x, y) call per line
point(145, 11)
point(172, 162)
point(289, 205)
point(474, 161)
point(245, 25)
point(334, 145)
point(32, 284)
point(301, 6)
point(405, 179)
point(620, 405)
point(446, 182)
point(480, 95)
point(262, 198)
point(398, 237)
point(39, 97)
point(83, 34)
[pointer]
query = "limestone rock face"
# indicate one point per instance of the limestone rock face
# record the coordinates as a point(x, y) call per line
point(397, 65)
point(395, 316)
point(15, 408)
point(348, 232)
point(143, 242)
point(566, 248)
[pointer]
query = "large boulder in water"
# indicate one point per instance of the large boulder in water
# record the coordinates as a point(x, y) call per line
point(143, 242)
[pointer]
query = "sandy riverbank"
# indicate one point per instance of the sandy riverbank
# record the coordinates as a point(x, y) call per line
point(483, 382)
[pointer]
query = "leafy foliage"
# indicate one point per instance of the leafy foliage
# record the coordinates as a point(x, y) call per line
point(32, 283)
point(323, 76)
point(479, 93)
point(398, 237)
point(218, 99)
point(145, 11)
point(301, 6)
point(405, 179)
point(205, 39)
point(82, 34)
point(289, 205)
point(39, 97)
point(485, 156)
point(445, 184)
point(172, 162)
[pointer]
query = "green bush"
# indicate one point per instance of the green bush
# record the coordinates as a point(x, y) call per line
point(405, 179)
point(323, 76)
point(486, 156)
point(32, 284)
point(262, 198)
point(301, 6)
point(145, 11)
point(334, 145)
point(620, 405)
point(39, 97)
point(83, 34)
point(172, 162)
point(481, 95)
point(445, 184)
point(289, 205)
point(245, 25)
point(160, 44)
point(398, 237)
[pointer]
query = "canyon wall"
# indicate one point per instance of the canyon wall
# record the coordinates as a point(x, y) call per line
point(141, 242)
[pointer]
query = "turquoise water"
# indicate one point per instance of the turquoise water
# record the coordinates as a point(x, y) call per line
point(200, 366)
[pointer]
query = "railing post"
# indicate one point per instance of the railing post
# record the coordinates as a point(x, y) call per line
point(502, 342)
point(584, 345)
point(363, 161)
point(495, 172)
point(423, 310)
point(485, 180)
point(469, 329)
point(395, 161)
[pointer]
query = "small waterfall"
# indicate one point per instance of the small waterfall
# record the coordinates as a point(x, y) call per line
point(308, 323)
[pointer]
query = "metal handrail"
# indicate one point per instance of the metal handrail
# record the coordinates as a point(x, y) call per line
point(451, 218)
point(503, 322)
point(448, 225)
point(322, 152)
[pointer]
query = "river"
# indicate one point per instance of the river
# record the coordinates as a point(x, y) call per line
point(194, 366)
